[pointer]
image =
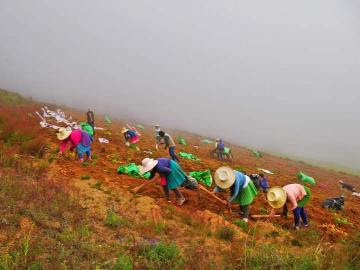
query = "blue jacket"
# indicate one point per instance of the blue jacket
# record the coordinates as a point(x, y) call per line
point(236, 187)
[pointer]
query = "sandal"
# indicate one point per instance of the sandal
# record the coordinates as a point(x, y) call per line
point(181, 201)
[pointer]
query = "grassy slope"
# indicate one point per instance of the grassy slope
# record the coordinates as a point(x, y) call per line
point(58, 214)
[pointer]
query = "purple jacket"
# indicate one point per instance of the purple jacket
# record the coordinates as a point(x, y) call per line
point(86, 140)
point(163, 167)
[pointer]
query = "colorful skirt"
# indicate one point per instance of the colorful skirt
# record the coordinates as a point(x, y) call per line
point(81, 149)
point(306, 199)
point(134, 139)
point(246, 196)
point(176, 177)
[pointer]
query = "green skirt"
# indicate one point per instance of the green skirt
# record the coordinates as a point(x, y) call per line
point(247, 195)
point(176, 177)
point(306, 199)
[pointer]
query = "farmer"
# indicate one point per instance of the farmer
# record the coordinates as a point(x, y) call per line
point(169, 142)
point(158, 139)
point(242, 189)
point(171, 174)
point(79, 139)
point(264, 183)
point(91, 119)
point(131, 137)
point(219, 149)
point(292, 197)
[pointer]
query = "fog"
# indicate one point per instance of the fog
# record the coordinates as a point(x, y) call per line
point(279, 76)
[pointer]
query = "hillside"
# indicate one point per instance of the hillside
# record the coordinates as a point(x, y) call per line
point(56, 213)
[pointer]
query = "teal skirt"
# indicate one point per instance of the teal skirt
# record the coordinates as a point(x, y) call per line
point(306, 199)
point(247, 195)
point(176, 177)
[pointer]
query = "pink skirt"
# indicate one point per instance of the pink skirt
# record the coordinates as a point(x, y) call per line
point(163, 181)
point(134, 139)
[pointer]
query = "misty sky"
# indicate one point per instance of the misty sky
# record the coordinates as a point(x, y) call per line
point(275, 75)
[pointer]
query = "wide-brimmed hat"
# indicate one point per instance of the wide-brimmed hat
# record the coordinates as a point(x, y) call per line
point(63, 133)
point(124, 129)
point(157, 125)
point(276, 197)
point(224, 177)
point(147, 165)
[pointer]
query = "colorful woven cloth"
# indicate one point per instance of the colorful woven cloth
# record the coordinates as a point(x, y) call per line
point(141, 126)
point(257, 153)
point(132, 170)
point(107, 120)
point(188, 156)
point(86, 127)
point(202, 177)
point(181, 140)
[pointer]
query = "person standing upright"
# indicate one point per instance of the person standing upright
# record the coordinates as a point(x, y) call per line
point(91, 120)
point(169, 143)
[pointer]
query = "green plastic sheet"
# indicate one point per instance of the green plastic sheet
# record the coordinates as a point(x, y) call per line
point(207, 141)
point(107, 120)
point(226, 150)
point(188, 156)
point(86, 127)
point(132, 170)
point(307, 179)
point(202, 177)
point(257, 154)
point(140, 126)
point(181, 140)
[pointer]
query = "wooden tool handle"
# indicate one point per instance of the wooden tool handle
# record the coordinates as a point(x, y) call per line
point(136, 189)
point(212, 195)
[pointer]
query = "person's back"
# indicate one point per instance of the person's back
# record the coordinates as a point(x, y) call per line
point(90, 116)
point(169, 140)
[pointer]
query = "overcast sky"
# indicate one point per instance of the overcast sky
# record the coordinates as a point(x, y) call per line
point(275, 75)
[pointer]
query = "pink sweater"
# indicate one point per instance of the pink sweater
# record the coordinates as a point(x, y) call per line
point(74, 139)
point(295, 193)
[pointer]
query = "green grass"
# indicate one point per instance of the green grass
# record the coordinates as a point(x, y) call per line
point(161, 256)
point(97, 185)
point(123, 263)
point(10, 98)
point(85, 177)
point(242, 224)
point(225, 233)
point(113, 220)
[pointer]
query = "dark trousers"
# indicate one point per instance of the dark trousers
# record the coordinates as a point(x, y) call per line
point(219, 153)
point(299, 212)
point(172, 154)
point(245, 210)
point(167, 192)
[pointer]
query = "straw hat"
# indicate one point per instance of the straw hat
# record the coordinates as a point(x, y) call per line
point(224, 177)
point(276, 197)
point(124, 129)
point(63, 133)
point(147, 165)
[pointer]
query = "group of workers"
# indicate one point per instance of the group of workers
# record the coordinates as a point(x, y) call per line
point(243, 188)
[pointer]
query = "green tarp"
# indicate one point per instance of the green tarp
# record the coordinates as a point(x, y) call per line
point(202, 177)
point(305, 178)
point(226, 150)
point(141, 126)
point(207, 141)
point(188, 156)
point(181, 140)
point(257, 154)
point(132, 170)
point(86, 127)
point(107, 119)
